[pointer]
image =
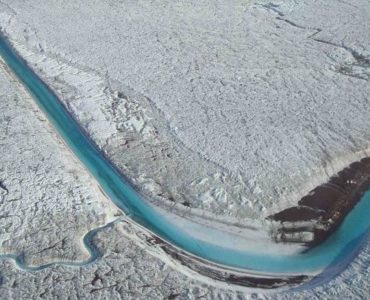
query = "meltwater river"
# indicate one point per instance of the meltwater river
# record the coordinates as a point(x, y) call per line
point(335, 252)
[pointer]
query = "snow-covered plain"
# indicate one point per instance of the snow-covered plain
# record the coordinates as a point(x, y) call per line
point(235, 109)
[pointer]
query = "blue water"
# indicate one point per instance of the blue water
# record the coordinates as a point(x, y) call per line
point(340, 247)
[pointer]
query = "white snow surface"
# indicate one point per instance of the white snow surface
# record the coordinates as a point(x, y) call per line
point(234, 107)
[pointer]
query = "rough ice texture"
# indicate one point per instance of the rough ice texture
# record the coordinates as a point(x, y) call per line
point(228, 106)
point(126, 271)
point(233, 107)
point(48, 202)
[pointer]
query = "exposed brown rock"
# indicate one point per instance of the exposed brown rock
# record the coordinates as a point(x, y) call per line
point(324, 208)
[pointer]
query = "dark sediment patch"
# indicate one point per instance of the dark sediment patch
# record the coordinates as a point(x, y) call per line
point(3, 187)
point(230, 276)
point(319, 213)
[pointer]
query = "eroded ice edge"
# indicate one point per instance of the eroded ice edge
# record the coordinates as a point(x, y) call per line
point(239, 254)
